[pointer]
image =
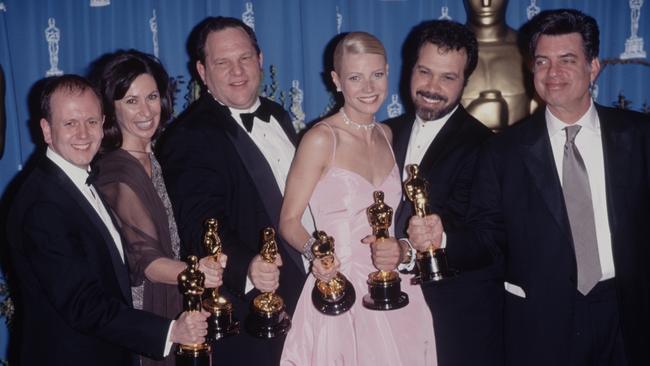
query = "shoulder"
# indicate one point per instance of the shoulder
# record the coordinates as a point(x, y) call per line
point(396, 124)
point(275, 108)
point(118, 165)
point(320, 136)
point(388, 132)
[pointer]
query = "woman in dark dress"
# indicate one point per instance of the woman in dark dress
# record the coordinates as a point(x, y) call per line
point(137, 104)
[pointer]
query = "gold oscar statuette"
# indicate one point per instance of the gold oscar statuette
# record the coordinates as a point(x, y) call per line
point(221, 322)
point(268, 317)
point(432, 263)
point(337, 295)
point(384, 290)
point(191, 284)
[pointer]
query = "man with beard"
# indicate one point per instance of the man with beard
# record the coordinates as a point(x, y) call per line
point(444, 140)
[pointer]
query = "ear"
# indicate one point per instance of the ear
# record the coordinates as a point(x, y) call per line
point(47, 132)
point(595, 69)
point(387, 69)
point(336, 80)
point(200, 68)
point(261, 59)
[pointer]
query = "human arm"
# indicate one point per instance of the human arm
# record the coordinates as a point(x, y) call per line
point(309, 164)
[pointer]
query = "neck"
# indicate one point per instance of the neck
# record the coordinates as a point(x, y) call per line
point(569, 116)
point(140, 147)
point(488, 33)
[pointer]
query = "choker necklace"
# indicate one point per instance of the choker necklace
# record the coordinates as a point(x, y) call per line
point(358, 126)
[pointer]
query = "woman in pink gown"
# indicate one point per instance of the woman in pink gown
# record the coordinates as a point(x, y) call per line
point(339, 164)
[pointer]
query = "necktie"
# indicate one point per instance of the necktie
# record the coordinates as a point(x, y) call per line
point(262, 113)
point(577, 198)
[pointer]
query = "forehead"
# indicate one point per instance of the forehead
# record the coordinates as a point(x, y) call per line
point(435, 58)
point(66, 104)
point(353, 62)
point(549, 45)
point(142, 82)
point(229, 40)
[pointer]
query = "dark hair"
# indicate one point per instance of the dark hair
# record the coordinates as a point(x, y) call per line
point(114, 75)
point(201, 31)
point(565, 21)
point(449, 35)
point(69, 83)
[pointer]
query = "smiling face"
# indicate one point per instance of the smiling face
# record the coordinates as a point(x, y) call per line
point(562, 75)
point(232, 69)
point(138, 113)
point(437, 81)
point(363, 80)
point(75, 130)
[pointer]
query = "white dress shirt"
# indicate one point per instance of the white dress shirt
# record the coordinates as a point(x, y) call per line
point(278, 151)
point(78, 177)
point(422, 135)
point(589, 143)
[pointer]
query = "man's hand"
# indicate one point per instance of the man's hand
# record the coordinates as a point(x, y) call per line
point(265, 276)
point(425, 232)
point(325, 272)
point(386, 253)
point(190, 328)
point(213, 270)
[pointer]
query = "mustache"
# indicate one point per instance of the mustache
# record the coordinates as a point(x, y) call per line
point(434, 96)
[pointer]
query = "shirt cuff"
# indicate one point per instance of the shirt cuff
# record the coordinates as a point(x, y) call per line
point(443, 245)
point(249, 285)
point(407, 267)
point(168, 342)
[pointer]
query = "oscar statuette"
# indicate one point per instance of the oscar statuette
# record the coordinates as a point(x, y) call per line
point(191, 284)
point(337, 295)
point(383, 286)
point(432, 263)
point(268, 317)
point(220, 323)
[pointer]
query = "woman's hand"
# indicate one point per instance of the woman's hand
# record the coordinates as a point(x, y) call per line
point(325, 269)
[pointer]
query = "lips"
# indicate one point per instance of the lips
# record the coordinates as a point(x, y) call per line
point(368, 100)
point(81, 146)
point(144, 125)
point(431, 98)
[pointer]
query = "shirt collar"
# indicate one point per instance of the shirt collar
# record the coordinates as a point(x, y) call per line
point(589, 121)
point(76, 174)
point(251, 109)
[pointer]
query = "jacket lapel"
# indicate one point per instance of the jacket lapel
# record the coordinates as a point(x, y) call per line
point(121, 270)
point(257, 166)
point(400, 147)
point(617, 145)
point(538, 158)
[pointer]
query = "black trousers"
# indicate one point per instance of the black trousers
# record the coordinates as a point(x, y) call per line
point(597, 338)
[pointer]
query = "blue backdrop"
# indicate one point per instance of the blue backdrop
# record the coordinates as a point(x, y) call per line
point(291, 33)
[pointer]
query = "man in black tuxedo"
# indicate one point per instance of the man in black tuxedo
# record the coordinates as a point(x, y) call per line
point(444, 140)
point(564, 196)
point(73, 285)
point(228, 157)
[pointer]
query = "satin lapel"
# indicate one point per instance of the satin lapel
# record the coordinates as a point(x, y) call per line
point(262, 176)
point(443, 142)
point(538, 158)
point(617, 152)
point(400, 147)
point(121, 270)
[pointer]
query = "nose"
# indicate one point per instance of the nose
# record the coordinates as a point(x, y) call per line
point(237, 69)
point(369, 86)
point(145, 110)
point(83, 130)
point(553, 69)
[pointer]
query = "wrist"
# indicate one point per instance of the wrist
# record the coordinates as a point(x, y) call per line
point(406, 251)
point(306, 249)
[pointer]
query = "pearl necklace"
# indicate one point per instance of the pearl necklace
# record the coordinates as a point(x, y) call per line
point(358, 126)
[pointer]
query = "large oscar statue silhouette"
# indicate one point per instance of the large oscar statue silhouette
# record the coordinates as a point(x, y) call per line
point(496, 93)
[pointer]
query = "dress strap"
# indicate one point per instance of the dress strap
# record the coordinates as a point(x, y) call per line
point(334, 136)
point(390, 146)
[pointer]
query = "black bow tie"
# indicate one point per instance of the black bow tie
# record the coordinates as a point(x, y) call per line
point(262, 112)
point(92, 176)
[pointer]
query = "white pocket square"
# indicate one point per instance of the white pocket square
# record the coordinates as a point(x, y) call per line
point(514, 289)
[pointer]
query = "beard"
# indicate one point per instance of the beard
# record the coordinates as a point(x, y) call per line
point(427, 113)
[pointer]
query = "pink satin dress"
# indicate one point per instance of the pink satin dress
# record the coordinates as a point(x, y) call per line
point(360, 336)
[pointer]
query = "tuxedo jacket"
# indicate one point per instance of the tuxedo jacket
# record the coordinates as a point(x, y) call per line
point(467, 309)
point(212, 168)
point(73, 289)
point(518, 209)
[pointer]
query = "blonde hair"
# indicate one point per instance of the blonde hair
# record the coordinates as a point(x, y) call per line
point(356, 43)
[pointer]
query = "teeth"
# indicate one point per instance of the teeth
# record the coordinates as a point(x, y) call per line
point(431, 101)
point(144, 125)
point(81, 146)
point(371, 99)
